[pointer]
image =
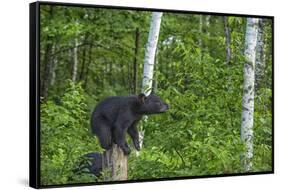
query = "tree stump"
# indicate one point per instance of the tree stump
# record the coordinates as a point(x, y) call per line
point(115, 164)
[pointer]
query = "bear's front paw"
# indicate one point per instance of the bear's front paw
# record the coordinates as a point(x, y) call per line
point(137, 145)
point(126, 150)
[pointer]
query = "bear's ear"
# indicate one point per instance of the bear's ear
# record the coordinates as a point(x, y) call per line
point(142, 98)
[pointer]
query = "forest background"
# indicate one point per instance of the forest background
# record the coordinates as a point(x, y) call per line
point(89, 54)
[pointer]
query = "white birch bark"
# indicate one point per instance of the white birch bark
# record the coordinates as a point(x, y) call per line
point(149, 59)
point(75, 60)
point(248, 91)
point(260, 54)
point(150, 50)
point(208, 17)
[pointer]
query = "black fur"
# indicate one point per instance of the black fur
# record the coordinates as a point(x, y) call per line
point(115, 116)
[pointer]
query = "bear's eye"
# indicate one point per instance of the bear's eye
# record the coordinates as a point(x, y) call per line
point(158, 103)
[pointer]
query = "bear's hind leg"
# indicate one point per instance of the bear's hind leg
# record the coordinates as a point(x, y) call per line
point(103, 132)
point(105, 137)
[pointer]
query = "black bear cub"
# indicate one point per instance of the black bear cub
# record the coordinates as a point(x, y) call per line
point(115, 116)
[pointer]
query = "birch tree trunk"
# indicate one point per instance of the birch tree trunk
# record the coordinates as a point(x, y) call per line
point(248, 91)
point(260, 55)
point(155, 83)
point(84, 58)
point(150, 51)
point(75, 60)
point(149, 59)
point(227, 40)
point(207, 20)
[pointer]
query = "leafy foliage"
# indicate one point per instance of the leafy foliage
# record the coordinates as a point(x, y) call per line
point(65, 136)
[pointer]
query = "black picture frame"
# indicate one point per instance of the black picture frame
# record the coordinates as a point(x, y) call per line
point(34, 92)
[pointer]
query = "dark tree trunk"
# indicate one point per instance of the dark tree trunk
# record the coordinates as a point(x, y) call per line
point(104, 69)
point(47, 71)
point(200, 42)
point(54, 66)
point(87, 67)
point(123, 74)
point(227, 40)
point(47, 63)
point(137, 45)
point(110, 74)
point(129, 78)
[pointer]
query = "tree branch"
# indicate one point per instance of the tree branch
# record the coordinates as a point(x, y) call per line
point(181, 157)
